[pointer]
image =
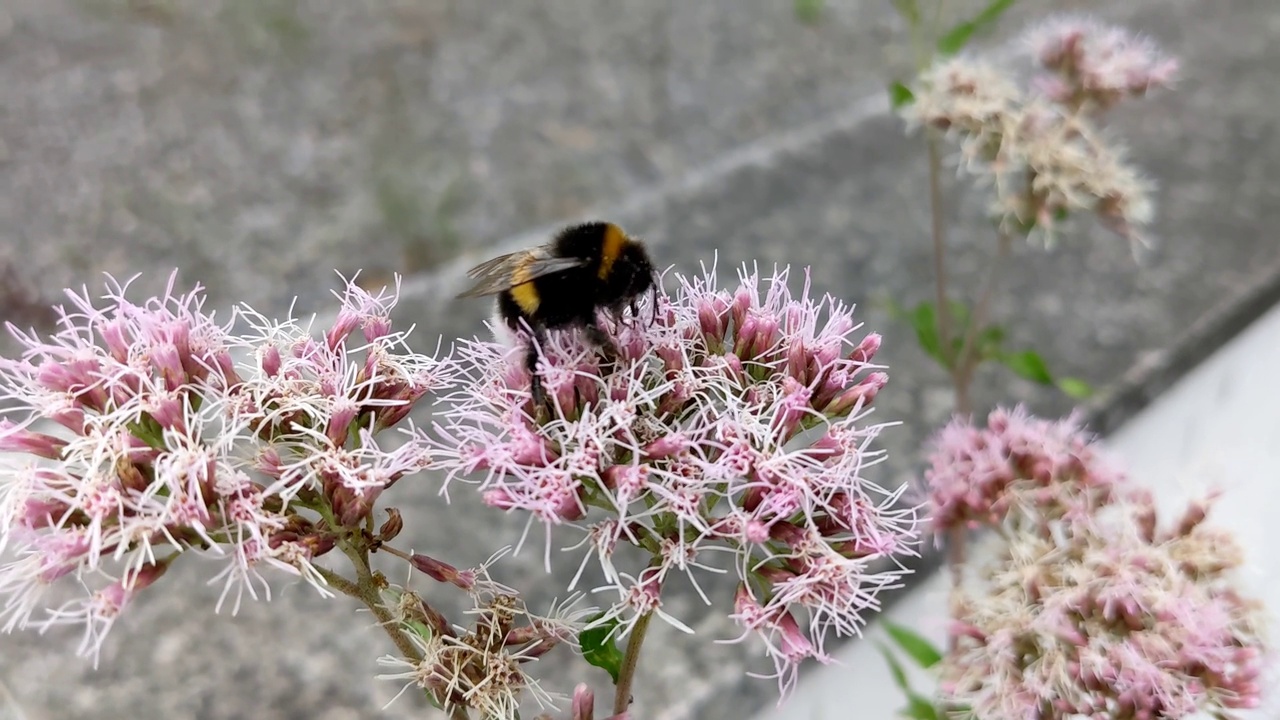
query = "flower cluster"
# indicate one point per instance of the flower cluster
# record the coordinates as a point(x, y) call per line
point(139, 432)
point(735, 422)
point(1041, 148)
point(1085, 610)
point(1113, 621)
point(1091, 66)
point(1020, 470)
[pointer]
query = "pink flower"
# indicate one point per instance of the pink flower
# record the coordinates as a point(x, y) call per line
point(1107, 619)
point(139, 432)
point(736, 423)
point(1096, 65)
point(1018, 469)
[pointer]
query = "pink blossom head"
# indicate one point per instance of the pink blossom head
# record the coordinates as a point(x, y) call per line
point(1019, 469)
point(1108, 621)
point(737, 422)
point(148, 430)
point(1090, 65)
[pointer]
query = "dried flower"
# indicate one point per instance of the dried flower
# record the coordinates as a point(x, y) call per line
point(482, 667)
point(1041, 149)
point(1092, 66)
point(139, 432)
point(736, 422)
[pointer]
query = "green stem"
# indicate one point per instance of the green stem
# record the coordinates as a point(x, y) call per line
point(938, 227)
point(966, 362)
point(630, 661)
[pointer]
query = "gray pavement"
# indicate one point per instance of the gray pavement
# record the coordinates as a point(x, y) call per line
point(259, 152)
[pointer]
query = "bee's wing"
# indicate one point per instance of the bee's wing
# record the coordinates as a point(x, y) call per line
point(496, 275)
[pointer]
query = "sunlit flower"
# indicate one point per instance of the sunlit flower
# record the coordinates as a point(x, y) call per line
point(736, 423)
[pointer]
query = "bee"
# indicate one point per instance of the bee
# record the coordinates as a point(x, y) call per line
point(564, 283)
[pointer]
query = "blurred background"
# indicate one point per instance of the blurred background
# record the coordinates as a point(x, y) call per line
point(259, 145)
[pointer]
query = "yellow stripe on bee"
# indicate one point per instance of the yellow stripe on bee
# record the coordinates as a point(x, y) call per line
point(523, 292)
point(526, 297)
point(610, 249)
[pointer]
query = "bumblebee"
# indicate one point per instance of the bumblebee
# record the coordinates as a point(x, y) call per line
point(565, 283)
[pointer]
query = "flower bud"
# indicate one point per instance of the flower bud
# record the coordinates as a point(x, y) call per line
point(866, 349)
point(343, 325)
point(859, 395)
point(14, 438)
point(437, 570)
point(584, 703)
point(270, 360)
point(666, 446)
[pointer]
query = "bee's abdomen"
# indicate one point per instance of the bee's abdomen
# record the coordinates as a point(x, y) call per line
point(552, 301)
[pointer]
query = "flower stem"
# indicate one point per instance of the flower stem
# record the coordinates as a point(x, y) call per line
point(367, 590)
point(962, 379)
point(967, 361)
point(630, 661)
point(938, 230)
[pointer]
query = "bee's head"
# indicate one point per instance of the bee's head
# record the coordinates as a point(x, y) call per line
point(631, 276)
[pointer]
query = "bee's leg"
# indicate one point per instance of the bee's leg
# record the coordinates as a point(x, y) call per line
point(598, 337)
point(531, 364)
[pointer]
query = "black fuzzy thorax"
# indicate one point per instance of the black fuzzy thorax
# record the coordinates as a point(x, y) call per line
point(571, 297)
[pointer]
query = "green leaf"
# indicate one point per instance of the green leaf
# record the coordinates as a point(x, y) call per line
point(599, 648)
point(913, 644)
point(954, 40)
point(960, 313)
point(990, 342)
point(1028, 364)
point(919, 708)
point(808, 11)
point(925, 322)
point(992, 12)
point(900, 95)
point(895, 669)
point(148, 430)
point(1075, 387)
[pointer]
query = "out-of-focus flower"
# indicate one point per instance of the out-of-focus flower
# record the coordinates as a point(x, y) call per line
point(1109, 620)
point(737, 423)
point(1092, 66)
point(1040, 149)
point(1019, 470)
point(139, 432)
